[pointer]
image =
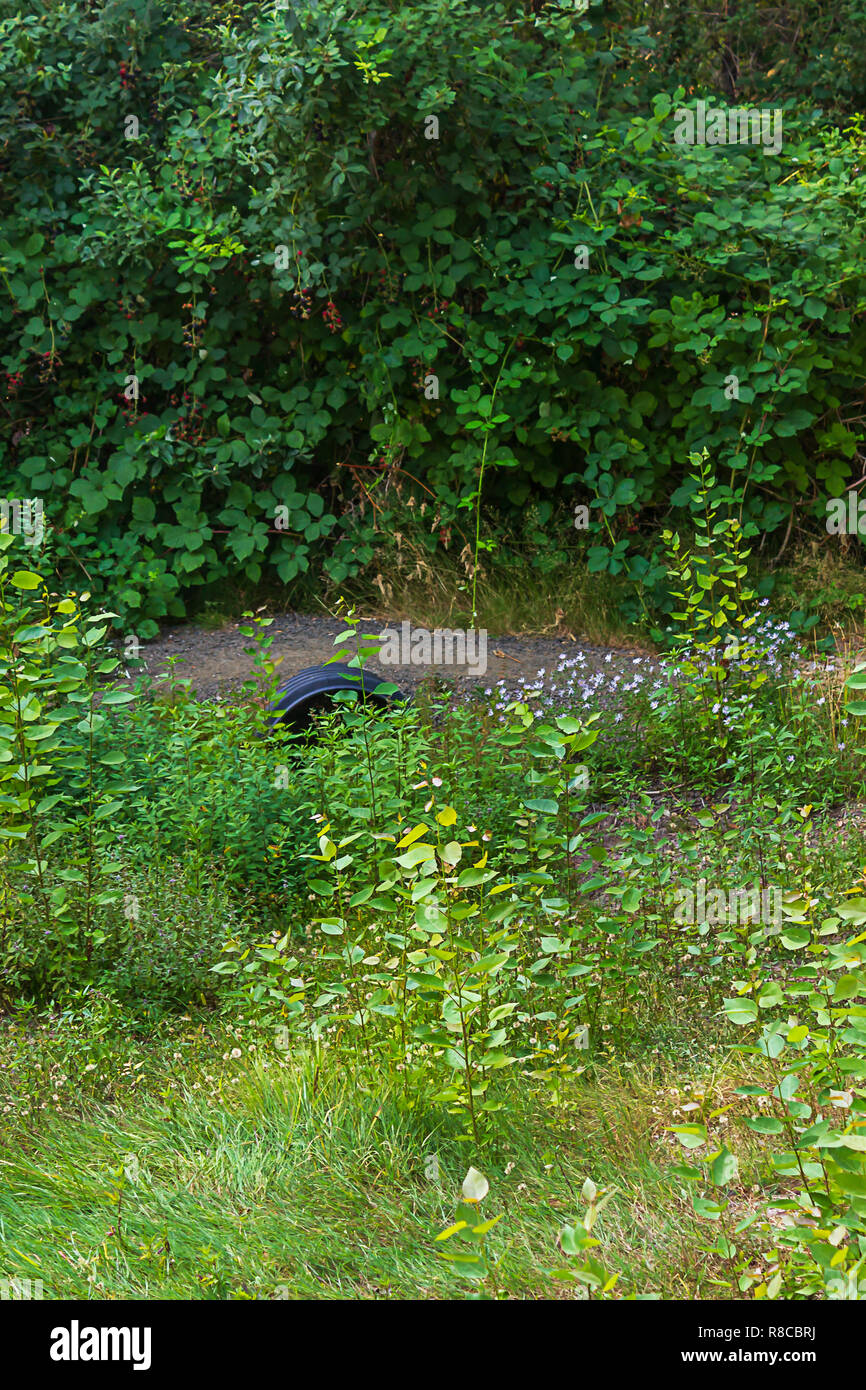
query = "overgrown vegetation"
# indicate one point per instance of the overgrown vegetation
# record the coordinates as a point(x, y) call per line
point(555, 990)
point(279, 286)
point(471, 996)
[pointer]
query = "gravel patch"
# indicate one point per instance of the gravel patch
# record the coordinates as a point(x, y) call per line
point(216, 664)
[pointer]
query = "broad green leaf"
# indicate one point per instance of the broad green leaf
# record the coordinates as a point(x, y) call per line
point(723, 1168)
point(741, 1011)
point(765, 1124)
point(418, 854)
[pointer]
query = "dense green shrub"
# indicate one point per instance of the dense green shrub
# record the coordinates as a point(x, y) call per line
point(243, 211)
point(759, 50)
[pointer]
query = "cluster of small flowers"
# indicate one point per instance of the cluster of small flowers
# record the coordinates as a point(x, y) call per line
point(574, 685)
point(579, 688)
point(769, 640)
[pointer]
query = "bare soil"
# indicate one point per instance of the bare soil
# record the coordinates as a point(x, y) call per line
point(216, 663)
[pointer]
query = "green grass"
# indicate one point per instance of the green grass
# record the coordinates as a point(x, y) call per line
point(262, 1176)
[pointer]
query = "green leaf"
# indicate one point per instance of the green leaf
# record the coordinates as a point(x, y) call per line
point(417, 854)
point(471, 878)
point(795, 938)
point(452, 1230)
point(765, 1124)
point(741, 1011)
point(711, 1211)
point(723, 1168)
point(847, 987)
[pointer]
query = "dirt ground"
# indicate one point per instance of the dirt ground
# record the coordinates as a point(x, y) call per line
point(216, 663)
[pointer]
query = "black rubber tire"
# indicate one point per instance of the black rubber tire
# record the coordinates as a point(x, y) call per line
point(298, 700)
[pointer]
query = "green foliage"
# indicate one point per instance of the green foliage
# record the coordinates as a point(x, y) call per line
point(576, 1241)
point(468, 1255)
point(278, 285)
point(50, 659)
point(759, 52)
point(283, 258)
point(719, 668)
point(809, 1043)
point(443, 902)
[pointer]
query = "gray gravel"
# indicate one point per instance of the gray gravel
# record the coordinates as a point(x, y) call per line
point(217, 665)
